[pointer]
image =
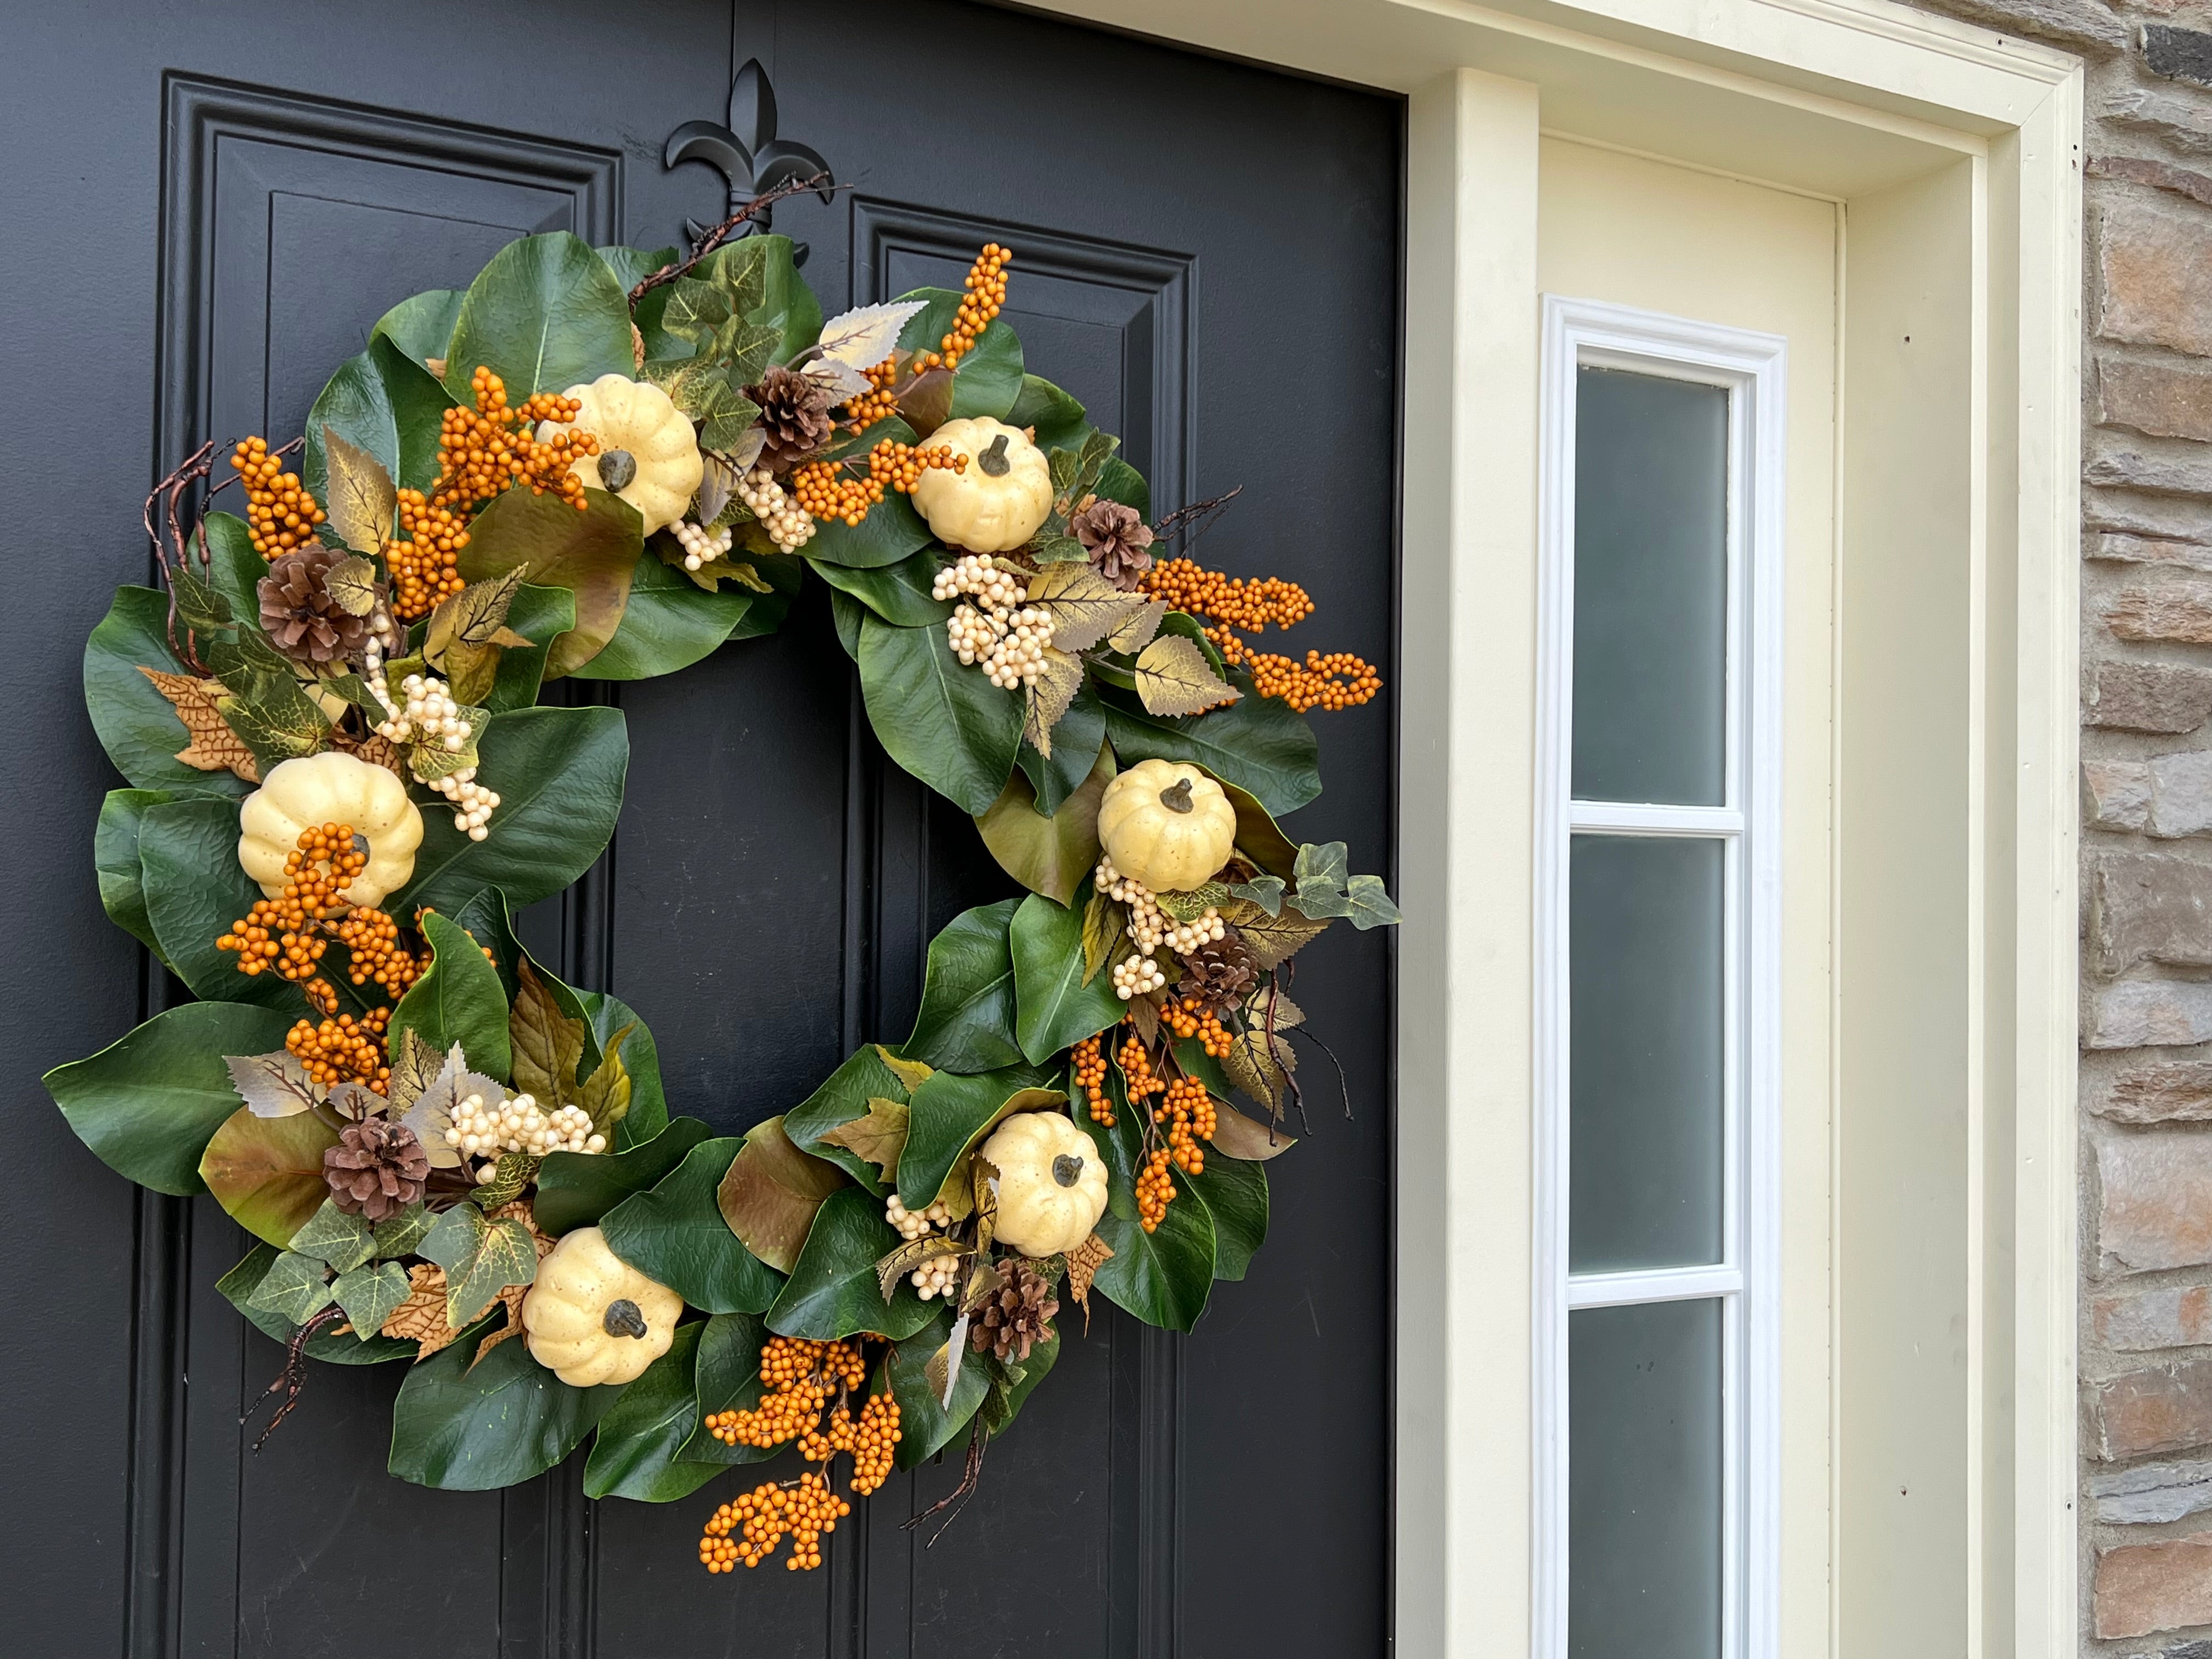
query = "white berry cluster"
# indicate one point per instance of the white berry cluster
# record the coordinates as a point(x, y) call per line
point(978, 574)
point(472, 802)
point(788, 523)
point(1151, 926)
point(1136, 976)
point(914, 1225)
point(1007, 637)
point(516, 1125)
point(429, 715)
point(938, 1276)
point(701, 545)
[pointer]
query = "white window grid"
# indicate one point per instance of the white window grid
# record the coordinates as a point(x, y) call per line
point(1579, 334)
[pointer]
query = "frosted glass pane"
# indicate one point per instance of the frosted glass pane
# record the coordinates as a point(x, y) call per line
point(1644, 1071)
point(1644, 1516)
point(1650, 588)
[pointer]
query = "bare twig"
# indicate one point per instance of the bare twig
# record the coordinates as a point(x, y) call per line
point(1189, 523)
point(169, 496)
point(289, 1381)
point(957, 1499)
point(715, 236)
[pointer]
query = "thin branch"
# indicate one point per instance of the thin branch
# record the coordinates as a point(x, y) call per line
point(970, 1477)
point(1189, 523)
point(289, 1381)
point(719, 233)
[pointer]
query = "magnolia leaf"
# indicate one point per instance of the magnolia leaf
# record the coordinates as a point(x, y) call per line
point(904, 1260)
point(1266, 891)
point(862, 338)
point(360, 497)
point(297, 1288)
point(1173, 677)
point(1083, 1262)
point(267, 1173)
point(770, 1194)
point(1274, 939)
point(272, 1086)
point(878, 1138)
point(605, 1095)
point(548, 1044)
point(592, 553)
point(1134, 635)
point(1051, 547)
point(1104, 926)
point(352, 582)
point(1050, 855)
point(1048, 697)
point(1368, 904)
point(1235, 1135)
point(333, 1237)
point(1083, 606)
point(371, 1295)
point(214, 747)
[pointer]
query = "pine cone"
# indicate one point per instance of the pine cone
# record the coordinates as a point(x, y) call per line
point(376, 1168)
point(795, 416)
point(299, 614)
point(1219, 974)
point(1116, 537)
point(1016, 1313)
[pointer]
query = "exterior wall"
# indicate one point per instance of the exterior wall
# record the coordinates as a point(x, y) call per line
point(2146, 1143)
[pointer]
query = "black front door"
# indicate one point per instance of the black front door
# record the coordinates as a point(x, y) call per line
point(207, 208)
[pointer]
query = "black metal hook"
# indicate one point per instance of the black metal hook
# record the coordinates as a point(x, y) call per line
point(747, 152)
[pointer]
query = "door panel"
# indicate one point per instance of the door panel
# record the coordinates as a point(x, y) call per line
point(1206, 254)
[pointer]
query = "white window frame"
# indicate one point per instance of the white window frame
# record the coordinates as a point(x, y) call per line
point(1752, 368)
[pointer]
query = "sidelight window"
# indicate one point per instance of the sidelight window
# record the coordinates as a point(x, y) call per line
point(1656, 1370)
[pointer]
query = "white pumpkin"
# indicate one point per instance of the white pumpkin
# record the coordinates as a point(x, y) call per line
point(1166, 825)
point(592, 1318)
point(996, 502)
point(648, 453)
point(1052, 1182)
point(331, 788)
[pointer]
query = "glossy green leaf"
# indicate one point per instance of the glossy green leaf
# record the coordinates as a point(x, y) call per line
point(641, 1056)
point(574, 1190)
point(136, 724)
point(843, 1097)
point(948, 1117)
point(670, 622)
point(235, 569)
point(926, 1425)
point(1079, 741)
point(989, 377)
point(559, 774)
point(458, 1000)
point(967, 1018)
point(1236, 1197)
point(1004, 1399)
point(1057, 419)
point(640, 1440)
point(631, 265)
point(1259, 744)
point(343, 1348)
point(1259, 837)
point(267, 1172)
point(423, 326)
point(115, 861)
point(1163, 1277)
point(727, 1379)
point(1054, 1009)
point(1120, 481)
point(592, 552)
point(899, 594)
point(1051, 855)
point(388, 404)
point(675, 1235)
point(149, 1103)
point(504, 1421)
point(891, 533)
point(832, 1291)
point(540, 615)
point(785, 577)
point(543, 315)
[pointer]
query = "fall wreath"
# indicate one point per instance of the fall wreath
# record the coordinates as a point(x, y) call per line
point(606, 463)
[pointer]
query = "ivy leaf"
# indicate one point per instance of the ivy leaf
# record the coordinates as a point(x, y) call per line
point(966, 1023)
point(1190, 905)
point(275, 721)
point(481, 1258)
point(547, 1045)
point(272, 1085)
point(1173, 677)
point(361, 499)
point(1368, 904)
point(332, 1235)
point(1051, 547)
point(1321, 869)
point(862, 338)
point(295, 1288)
point(1083, 606)
point(1266, 891)
point(769, 1195)
point(877, 1138)
point(369, 1295)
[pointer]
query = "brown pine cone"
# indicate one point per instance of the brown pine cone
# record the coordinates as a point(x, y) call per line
point(1219, 974)
point(299, 614)
point(1014, 1314)
point(1117, 539)
point(795, 416)
point(376, 1168)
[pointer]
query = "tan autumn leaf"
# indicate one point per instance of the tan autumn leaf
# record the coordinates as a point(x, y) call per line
point(878, 1137)
point(214, 747)
point(376, 751)
point(1134, 635)
point(1083, 606)
point(1260, 1068)
point(1274, 939)
point(362, 498)
point(1173, 677)
point(912, 1073)
point(1057, 682)
point(1083, 1262)
point(352, 582)
point(421, 1317)
point(1245, 1138)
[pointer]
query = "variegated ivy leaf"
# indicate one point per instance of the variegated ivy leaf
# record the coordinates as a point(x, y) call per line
point(511, 1177)
point(1326, 866)
point(360, 498)
point(1368, 904)
point(1191, 905)
point(1266, 891)
point(273, 1084)
point(295, 1288)
point(863, 337)
point(402, 1233)
point(1083, 606)
point(1173, 677)
point(1058, 678)
point(481, 1258)
point(332, 1235)
point(430, 762)
point(369, 1295)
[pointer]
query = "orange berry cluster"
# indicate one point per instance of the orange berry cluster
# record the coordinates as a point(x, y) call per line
point(1187, 1111)
point(1137, 1070)
point(1337, 680)
point(798, 1378)
point(1090, 1078)
point(279, 514)
point(805, 1509)
point(825, 490)
point(344, 1049)
point(281, 932)
point(873, 1439)
point(424, 565)
point(1334, 680)
point(1156, 1189)
point(880, 402)
point(373, 937)
point(1191, 1019)
point(985, 296)
point(485, 451)
point(901, 465)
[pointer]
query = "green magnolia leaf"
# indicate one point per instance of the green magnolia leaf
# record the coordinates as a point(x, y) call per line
point(149, 1103)
point(1235, 1196)
point(267, 1172)
point(844, 1098)
point(989, 377)
point(422, 327)
point(675, 1235)
point(1163, 1277)
point(632, 265)
point(947, 1119)
point(559, 774)
point(944, 723)
point(458, 1000)
point(1057, 419)
point(1078, 747)
point(832, 1290)
point(481, 1258)
point(329, 1344)
point(593, 553)
point(770, 1193)
point(471, 1427)
point(727, 1380)
point(369, 1295)
point(648, 1102)
point(115, 861)
point(669, 624)
point(386, 405)
point(540, 615)
point(543, 315)
point(640, 1440)
point(967, 1018)
point(574, 1190)
point(1259, 745)
point(785, 577)
point(900, 593)
point(235, 569)
point(1120, 481)
point(136, 724)
point(1054, 1008)
point(1048, 855)
point(337, 1239)
point(927, 1425)
point(295, 1288)
point(890, 533)
point(1010, 1387)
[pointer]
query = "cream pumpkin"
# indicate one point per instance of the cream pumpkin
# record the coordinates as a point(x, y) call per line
point(592, 1318)
point(331, 788)
point(1052, 1182)
point(997, 500)
point(648, 453)
point(1166, 825)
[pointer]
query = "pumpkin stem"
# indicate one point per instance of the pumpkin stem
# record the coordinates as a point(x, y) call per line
point(1067, 1170)
point(623, 1318)
point(617, 467)
point(994, 459)
point(1177, 796)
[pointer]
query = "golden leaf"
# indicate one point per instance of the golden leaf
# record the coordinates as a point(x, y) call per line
point(361, 497)
point(1083, 1262)
point(1173, 677)
point(878, 1138)
point(377, 751)
point(1085, 606)
point(1048, 697)
point(421, 1317)
point(214, 747)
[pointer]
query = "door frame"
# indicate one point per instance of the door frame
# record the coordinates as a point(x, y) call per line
point(1945, 145)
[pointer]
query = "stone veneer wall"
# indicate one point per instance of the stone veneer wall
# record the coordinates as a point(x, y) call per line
point(2146, 1117)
